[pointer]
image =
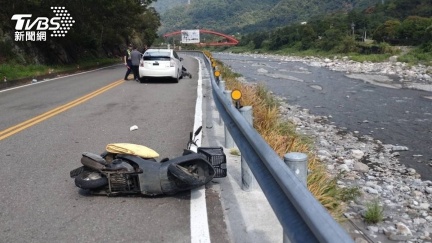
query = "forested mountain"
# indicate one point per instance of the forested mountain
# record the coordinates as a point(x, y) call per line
point(243, 16)
point(162, 6)
point(366, 31)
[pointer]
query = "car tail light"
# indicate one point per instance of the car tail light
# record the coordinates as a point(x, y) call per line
point(141, 64)
point(172, 63)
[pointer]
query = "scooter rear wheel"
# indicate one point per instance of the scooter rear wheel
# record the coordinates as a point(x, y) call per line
point(90, 180)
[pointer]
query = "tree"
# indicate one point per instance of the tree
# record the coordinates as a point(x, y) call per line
point(332, 37)
point(308, 36)
point(387, 31)
point(413, 30)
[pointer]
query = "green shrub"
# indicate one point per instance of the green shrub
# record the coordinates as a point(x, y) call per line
point(6, 52)
point(347, 45)
point(349, 193)
point(387, 48)
point(374, 213)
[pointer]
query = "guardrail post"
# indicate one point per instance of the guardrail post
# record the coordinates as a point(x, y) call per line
point(222, 88)
point(297, 162)
point(221, 84)
point(248, 179)
point(229, 141)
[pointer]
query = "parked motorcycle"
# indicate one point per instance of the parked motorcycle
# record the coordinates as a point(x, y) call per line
point(122, 174)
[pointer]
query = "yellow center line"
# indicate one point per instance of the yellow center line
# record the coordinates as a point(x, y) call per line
point(18, 128)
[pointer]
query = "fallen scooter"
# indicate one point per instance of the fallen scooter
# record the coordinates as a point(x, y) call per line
point(126, 173)
point(185, 73)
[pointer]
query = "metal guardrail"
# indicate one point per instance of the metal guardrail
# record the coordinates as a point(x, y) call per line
point(302, 217)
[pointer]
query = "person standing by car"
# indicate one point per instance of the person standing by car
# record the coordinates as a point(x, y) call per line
point(127, 61)
point(135, 60)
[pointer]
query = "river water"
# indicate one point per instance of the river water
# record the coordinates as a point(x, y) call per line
point(394, 116)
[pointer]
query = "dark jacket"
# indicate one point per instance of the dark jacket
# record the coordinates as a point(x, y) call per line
point(135, 57)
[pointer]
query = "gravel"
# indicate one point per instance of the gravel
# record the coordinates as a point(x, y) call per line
point(369, 164)
point(366, 162)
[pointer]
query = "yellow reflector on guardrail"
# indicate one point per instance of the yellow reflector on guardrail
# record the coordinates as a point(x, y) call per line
point(236, 94)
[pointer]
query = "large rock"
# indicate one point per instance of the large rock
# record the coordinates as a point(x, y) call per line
point(360, 167)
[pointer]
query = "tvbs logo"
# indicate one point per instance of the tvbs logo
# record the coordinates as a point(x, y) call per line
point(27, 29)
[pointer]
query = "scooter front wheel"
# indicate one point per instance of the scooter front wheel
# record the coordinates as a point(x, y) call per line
point(184, 175)
point(90, 180)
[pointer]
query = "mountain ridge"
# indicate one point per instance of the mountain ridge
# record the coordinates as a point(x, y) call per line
point(239, 16)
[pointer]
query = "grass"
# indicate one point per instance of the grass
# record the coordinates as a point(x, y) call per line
point(416, 57)
point(14, 71)
point(350, 193)
point(370, 58)
point(281, 135)
point(374, 212)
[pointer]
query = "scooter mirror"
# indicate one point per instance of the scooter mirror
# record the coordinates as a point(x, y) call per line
point(198, 131)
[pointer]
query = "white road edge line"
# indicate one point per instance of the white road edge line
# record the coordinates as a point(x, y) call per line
point(51, 79)
point(198, 208)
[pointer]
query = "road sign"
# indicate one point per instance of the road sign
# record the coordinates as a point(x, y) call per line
point(190, 36)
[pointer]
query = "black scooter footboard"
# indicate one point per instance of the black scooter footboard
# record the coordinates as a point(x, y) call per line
point(149, 178)
point(172, 176)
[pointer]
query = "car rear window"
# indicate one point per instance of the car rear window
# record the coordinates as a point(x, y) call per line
point(157, 56)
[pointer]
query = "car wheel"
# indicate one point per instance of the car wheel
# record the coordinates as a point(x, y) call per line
point(176, 80)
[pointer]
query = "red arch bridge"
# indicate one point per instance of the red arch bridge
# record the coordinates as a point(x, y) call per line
point(226, 41)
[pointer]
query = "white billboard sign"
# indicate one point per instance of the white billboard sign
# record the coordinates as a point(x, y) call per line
point(190, 36)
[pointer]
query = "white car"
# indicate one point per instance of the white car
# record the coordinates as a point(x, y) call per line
point(160, 63)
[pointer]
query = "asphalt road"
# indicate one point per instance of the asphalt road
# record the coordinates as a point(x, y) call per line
point(39, 201)
point(394, 116)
